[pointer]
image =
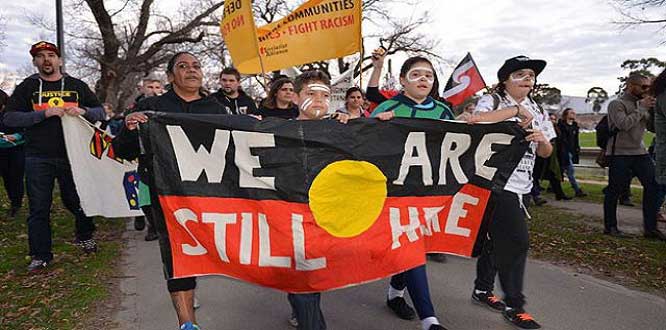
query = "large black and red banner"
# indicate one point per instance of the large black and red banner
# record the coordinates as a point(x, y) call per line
point(305, 206)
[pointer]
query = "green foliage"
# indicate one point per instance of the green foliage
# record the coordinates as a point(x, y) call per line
point(545, 94)
point(649, 67)
point(597, 96)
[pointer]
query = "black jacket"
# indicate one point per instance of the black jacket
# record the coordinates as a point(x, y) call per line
point(568, 141)
point(27, 105)
point(126, 144)
point(241, 105)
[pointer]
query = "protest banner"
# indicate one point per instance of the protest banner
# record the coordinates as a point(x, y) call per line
point(306, 206)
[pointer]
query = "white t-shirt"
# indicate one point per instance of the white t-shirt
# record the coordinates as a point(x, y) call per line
point(520, 181)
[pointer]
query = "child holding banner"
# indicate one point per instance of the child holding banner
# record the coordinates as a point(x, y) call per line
point(417, 77)
point(505, 253)
point(312, 95)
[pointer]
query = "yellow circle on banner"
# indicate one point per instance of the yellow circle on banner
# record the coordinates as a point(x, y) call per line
point(347, 196)
point(56, 102)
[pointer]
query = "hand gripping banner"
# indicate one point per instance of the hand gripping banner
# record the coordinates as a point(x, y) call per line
point(305, 206)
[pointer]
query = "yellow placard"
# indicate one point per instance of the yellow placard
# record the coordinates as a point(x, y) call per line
point(317, 30)
point(240, 34)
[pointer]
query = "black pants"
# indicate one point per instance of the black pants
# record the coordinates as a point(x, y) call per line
point(618, 180)
point(505, 250)
point(542, 171)
point(41, 174)
point(12, 169)
point(416, 282)
point(307, 309)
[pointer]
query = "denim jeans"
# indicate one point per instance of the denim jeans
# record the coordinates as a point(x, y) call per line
point(41, 174)
point(618, 180)
point(307, 309)
point(569, 169)
point(416, 282)
point(12, 169)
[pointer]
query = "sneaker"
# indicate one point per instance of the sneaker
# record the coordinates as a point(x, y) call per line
point(655, 234)
point(293, 321)
point(520, 318)
point(437, 257)
point(581, 193)
point(139, 223)
point(563, 198)
point(488, 299)
point(615, 233)
point(538, 201)
point(37, 265)
point(437, 327)
point(627, 202)
point(189, 326)
point(88, 246)
point(196, 303)
point(151, 235)
point(400, 307)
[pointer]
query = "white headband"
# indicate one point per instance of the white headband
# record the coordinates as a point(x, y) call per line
point(319, 87)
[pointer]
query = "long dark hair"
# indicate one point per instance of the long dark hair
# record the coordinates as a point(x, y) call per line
point(172, 61)
point(659, 84)
point(271, 100)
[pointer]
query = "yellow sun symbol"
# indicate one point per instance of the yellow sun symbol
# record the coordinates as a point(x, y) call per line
point(347, 196)
point(56, 102)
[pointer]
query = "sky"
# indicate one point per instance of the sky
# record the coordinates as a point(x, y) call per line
point(578, 39)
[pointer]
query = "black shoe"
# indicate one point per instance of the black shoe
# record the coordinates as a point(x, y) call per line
point(538, 201)
point(581, 193)
point(488, 299)
point(437, 257)
point(13, 211)
point(655, 234)
point(437, 327)
point(615, 233)
point(139, 223)
point(626, 202)
point(400, 307)
point(519, 318)
point(151, 235)
point(88, 246)
point(563, 197)
point(37, 265)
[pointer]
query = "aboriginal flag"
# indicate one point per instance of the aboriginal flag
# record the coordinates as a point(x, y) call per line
point(307, 206)
point(464, 82)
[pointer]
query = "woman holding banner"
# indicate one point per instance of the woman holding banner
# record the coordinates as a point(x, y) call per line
point(505, 252)
point(185, 75)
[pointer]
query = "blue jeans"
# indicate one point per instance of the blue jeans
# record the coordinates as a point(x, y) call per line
point(41, 174)
point(618, 180)
point(416, 282)
point(569, 169)
point(307, 309)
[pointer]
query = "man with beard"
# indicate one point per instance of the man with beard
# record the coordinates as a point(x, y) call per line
point(231, 96)
point(37, 105)
point(628, 115)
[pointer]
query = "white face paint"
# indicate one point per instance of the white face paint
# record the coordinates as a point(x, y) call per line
point(421, 73)
point(307, 103)
point(523, 75)
point(319, 87)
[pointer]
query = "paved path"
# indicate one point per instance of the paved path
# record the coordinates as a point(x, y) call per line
point(557, 297)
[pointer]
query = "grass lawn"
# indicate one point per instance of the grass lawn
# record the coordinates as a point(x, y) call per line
point(66, 294)
point(566, 238)
point(589, 139)
point(594, 191)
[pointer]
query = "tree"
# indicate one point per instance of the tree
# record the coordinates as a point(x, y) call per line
point(642, 12)
point(648, 67)
point(545, 94)
point(118, 42)
point(597, 96)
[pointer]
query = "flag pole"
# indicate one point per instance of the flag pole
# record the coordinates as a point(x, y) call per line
point(360, 36)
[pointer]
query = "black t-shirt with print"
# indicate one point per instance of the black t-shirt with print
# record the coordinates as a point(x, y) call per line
point(45, 139)
point(289, 113)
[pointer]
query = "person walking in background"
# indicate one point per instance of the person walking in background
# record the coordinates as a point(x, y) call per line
point(37, 105)
point(12, 161)
point(280, 101)
point(231, 96)
point(628, 114)
point(658, 90)
point(569, 147)
point(354, 99)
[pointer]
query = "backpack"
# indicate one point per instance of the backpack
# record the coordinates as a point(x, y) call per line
point(604, 132)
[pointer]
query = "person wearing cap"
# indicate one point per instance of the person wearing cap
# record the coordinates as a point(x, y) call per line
point(505, 251)
point(36, 106)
